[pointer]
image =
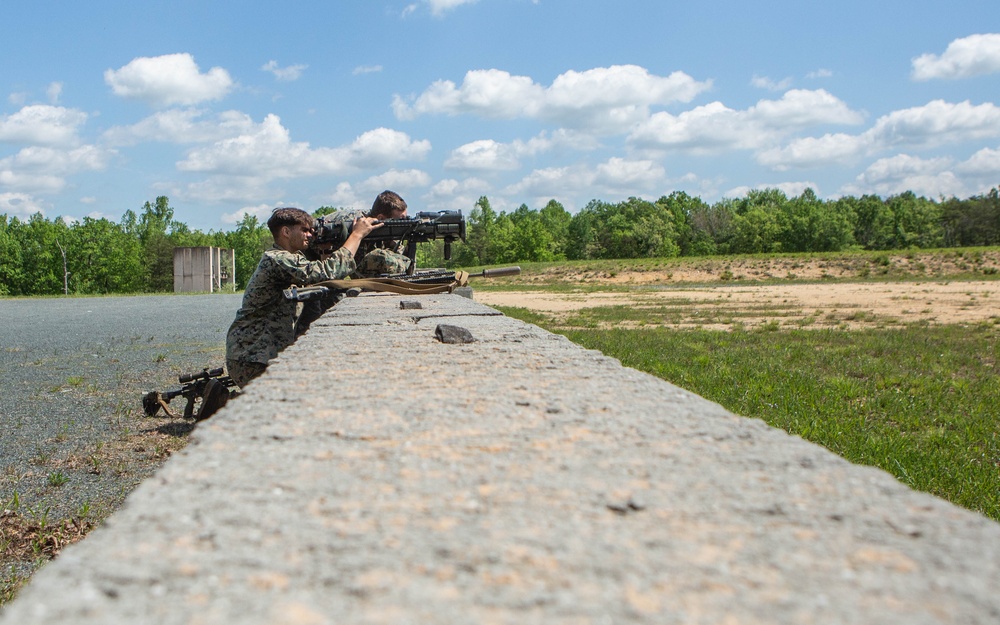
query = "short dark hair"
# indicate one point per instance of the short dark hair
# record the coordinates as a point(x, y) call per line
point(288, 216)
point(386, 202)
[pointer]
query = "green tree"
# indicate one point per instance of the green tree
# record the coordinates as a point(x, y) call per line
point(691, 240)
point(712, 227)
point(556, 220)
point(151, 227)
point(581, 234)
point(810, 225)
point(481, 230)
point(529, 239)
point(756, 230)
point(11, 257)
point(917, 221)
point(104, 258)
point(43, 266)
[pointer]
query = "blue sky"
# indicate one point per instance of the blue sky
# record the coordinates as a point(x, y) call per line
point(232, 108)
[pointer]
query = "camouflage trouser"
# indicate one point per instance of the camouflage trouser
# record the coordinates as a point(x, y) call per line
point(242, 371)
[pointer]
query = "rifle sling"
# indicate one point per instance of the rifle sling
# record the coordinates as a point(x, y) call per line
point(401, 287)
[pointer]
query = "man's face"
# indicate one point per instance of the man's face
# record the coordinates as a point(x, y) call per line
point(299, 237)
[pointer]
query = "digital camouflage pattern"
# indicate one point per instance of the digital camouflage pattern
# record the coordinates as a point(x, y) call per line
point(372, 260)
point(265, 323)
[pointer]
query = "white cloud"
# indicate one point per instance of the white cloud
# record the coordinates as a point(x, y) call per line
point(41, 124)
point(763, 82)
point(715, 127)
point(397, 180)
point(41, 169)
point(603, 99)
point(934, 124)
point(284, 74)
point(383, 146)
point(440, 7)
point(366, 69)
point(53, 92)
point(168, 80)
point(984, 164)
point(452, 194)
point(261, 211)
point(937, 123)
point(20, 205)
point(614, 177)
point(490, 155)
point(974, 55)
point(903, 172)
point(623, 176)
point(222, 189)
point(187, 125)
point(267, 152)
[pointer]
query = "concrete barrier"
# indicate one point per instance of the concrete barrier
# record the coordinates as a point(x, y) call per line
point(379, 475)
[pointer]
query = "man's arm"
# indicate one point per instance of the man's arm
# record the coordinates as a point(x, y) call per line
point(362, 226)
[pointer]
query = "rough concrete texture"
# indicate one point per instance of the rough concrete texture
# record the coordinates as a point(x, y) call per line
point(376, 475)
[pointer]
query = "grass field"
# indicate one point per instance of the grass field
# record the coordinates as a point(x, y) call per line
point(918, 400)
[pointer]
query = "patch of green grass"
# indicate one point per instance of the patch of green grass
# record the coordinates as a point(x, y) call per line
point(917, 401)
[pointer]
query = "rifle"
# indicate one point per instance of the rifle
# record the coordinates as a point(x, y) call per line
point(193, 388)
point(421, 280)
point(426, 226)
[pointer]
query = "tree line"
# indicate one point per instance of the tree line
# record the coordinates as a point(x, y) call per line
point(39, 256)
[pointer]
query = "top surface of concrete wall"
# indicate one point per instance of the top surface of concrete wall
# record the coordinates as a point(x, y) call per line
point(515, 479)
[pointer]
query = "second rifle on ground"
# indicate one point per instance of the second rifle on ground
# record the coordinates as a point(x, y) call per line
point(193, 389)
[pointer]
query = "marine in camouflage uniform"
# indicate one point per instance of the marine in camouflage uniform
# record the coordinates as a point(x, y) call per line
point(266, 322)
point(373, 258)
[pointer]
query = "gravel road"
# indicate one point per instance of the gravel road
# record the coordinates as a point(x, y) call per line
point(73, 371)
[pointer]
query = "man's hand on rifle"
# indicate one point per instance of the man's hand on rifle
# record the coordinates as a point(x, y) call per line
point(362, 226)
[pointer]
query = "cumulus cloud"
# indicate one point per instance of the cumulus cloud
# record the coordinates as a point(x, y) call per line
point(261, 211)
point(42, 169)
point(603, 99)
point(983, 164)
point(284, 74)
point(974, 55)
point(171, 79)
point(615, 177)
point(268, 152)
point(490, 155)
point(42, 124)
point(716, 127)
point(935, 124)
point(451, 193)
point(20, 205)
point(903, 172)
point(182, 126)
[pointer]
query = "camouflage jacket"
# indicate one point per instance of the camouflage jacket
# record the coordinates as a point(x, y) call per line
point(265, 323)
